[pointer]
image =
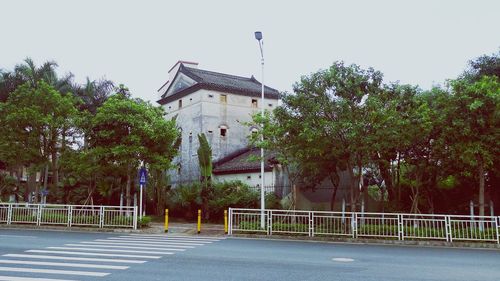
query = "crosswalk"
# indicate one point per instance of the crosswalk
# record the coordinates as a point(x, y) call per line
point(96, 258)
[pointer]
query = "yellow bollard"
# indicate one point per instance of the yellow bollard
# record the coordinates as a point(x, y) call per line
point(225, 221)
point(199, 221)
point(166, 220)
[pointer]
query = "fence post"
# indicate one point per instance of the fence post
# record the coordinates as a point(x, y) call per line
point(101, 217)
point(9, 214)
point(269, 222)
point(39, 214)
point(311, 224)
point(70, 215)
point(230, 228)
point(135, 217)
point(354, 224)
point(400, 227)
point(497, 226)
point(447, 228)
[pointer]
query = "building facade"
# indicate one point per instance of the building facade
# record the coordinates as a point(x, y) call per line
point(212, 103)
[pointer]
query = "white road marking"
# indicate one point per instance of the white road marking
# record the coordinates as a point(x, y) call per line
point(53, 271)
point(17, 236)
point(92, 254)
point(199, 238)
point(126, 247)
point(343, 259)
point(169, 238)
point(109, 250)
point(71, 258)
point(66, 264)
point(155, 240)
point(15, 278)
point(135, 243)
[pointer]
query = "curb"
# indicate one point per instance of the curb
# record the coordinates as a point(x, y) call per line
point(415, 243)
point(71, 229)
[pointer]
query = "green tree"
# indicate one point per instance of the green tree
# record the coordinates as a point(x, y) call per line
point(128, 131)
point(33, 118)
point(205, 162)
point(475, 130)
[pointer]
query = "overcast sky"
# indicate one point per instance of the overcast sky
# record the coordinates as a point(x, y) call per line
point(136, 42)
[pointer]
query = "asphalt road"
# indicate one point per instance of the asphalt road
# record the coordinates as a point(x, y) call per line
point(33, 255)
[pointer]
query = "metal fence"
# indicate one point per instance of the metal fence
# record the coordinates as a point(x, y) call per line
point(68, 215)
point(366, 225)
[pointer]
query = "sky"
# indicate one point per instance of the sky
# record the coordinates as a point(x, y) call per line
point(135, 43)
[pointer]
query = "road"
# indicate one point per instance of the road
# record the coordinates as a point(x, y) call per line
point(34, 255)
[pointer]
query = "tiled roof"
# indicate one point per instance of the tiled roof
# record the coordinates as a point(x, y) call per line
point(241, 161)
point(221, 82)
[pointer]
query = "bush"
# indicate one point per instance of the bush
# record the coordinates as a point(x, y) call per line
point(144, 222)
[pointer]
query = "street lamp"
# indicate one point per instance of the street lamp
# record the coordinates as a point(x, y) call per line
point(258, 36)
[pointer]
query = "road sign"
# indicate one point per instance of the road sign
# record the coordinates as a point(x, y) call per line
point(143, 176)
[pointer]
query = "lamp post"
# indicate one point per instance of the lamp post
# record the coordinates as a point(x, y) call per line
point(258, 36)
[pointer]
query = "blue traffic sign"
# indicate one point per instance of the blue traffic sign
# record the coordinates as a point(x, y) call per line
point(143, 176)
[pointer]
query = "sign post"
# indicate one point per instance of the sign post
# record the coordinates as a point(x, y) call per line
point(143, 175)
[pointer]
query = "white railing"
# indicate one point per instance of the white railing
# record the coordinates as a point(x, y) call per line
point(366, 225)
point(68, 215)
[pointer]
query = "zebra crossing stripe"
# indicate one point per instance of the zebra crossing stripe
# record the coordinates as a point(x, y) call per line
point(92, 254)
point(178, 236)
point(110, 250)
point(155, 240)
point(71, 258)
point(53, 271)
point(64, 264)
point(133, 243)
point(125, 247)
point(169, 238)
point(15, 278)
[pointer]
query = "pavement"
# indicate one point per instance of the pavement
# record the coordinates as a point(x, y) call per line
point(42, 255)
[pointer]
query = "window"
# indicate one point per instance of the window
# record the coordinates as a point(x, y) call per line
point(249, 177)
point(169, 107)
point(190, 137)
point(179, 168)
point(191, 99)
point(254, 103)
point(180, 103)
point(270, 105)
point(210, 95)
point(223, 98)
point(223, 132)
point(210, 131)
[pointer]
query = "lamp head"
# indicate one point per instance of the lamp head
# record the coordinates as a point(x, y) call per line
point(258, 35)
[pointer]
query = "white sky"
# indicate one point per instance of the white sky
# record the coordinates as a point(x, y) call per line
point(136, 42)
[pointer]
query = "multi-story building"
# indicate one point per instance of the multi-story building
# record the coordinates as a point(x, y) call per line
point(213, 103)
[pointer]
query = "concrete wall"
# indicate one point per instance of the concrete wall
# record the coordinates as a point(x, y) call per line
point(204, 112)
point(251, 179)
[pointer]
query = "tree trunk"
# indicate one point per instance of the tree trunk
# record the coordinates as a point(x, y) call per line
point(352, 187)
point(334, 179)
point(31, 183)
point(128, 187)
point(481, 188)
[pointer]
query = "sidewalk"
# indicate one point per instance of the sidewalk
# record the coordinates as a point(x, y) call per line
point(186, 228)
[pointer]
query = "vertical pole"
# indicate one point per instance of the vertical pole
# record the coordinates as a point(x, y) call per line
point(121, 201)
point(363, 210)
point(39, 214)
point(471, 206)
point(230, 230)
point(262, 193)
point(225, 222)
point(400, 227)
point(269, 222)
point(166, 220)
point(70, 214)
point(135, 217)
point(9, 214)
point(140, 203)
point(199, 221)
point(492, 209)
point(101, 217)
